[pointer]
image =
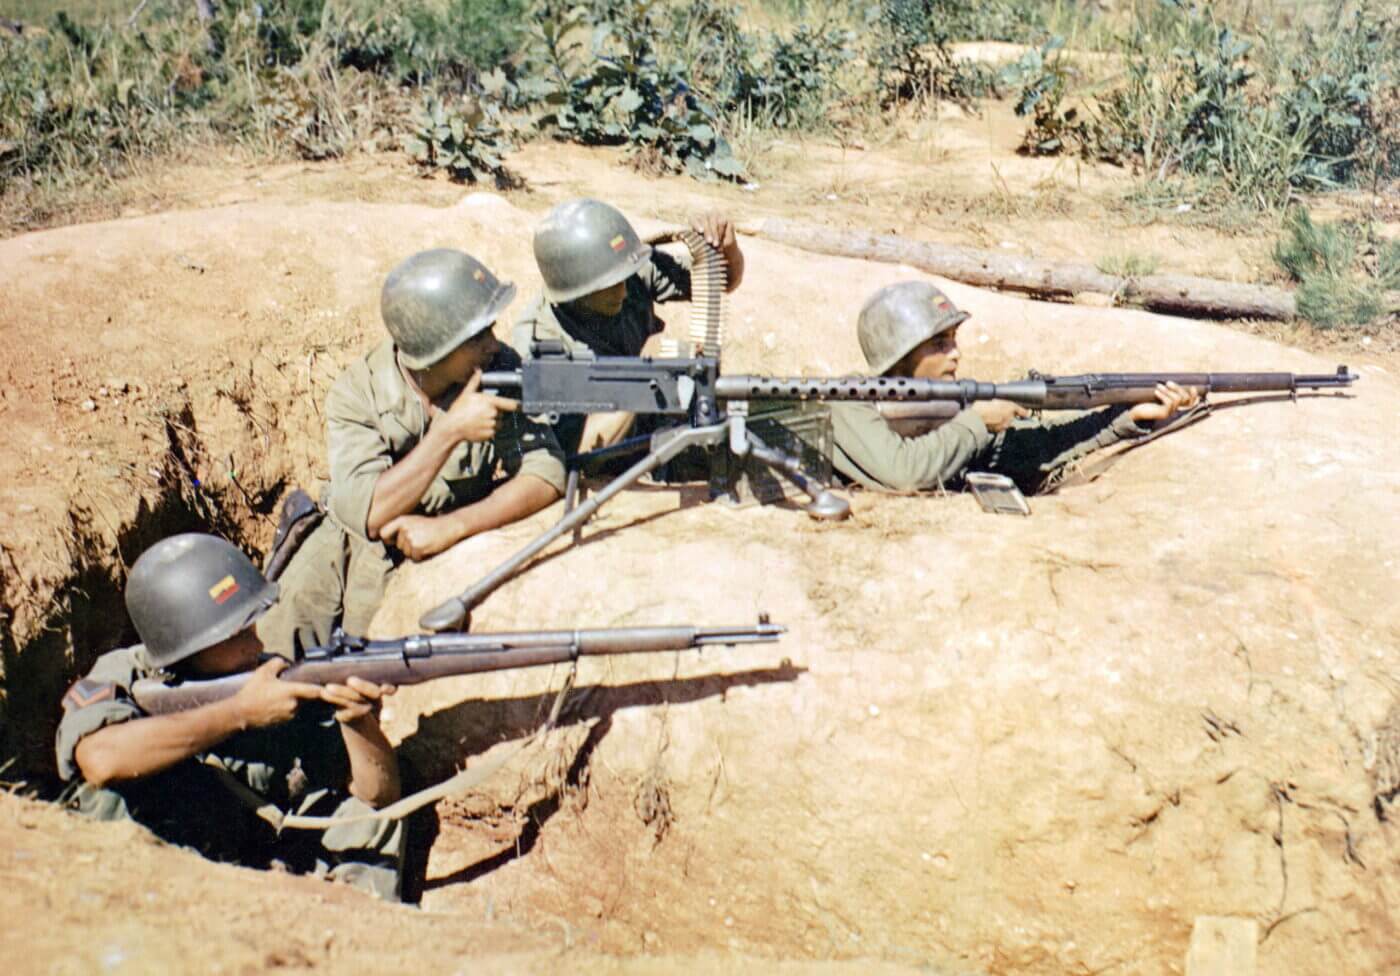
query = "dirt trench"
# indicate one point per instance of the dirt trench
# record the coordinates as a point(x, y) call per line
point(986, 745)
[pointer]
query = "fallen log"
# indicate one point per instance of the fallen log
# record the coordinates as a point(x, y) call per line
point(1175, 294)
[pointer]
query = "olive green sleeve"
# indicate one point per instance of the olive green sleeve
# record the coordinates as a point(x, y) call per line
point(529, 326)
point(94, 702)
point(869, 452)
point(358, 451)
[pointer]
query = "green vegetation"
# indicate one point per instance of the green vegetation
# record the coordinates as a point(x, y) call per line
point(1129, 265)
point(1233, 106)
point(1343, 271)
point(1257, 118)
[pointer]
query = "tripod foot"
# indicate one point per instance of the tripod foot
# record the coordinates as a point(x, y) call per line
point(452, 615)
point(828, 507)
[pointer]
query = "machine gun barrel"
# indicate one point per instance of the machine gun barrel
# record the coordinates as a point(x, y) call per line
point(424, 657)
point(1079, 392)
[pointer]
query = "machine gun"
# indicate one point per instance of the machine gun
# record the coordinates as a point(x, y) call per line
point(423, 657)
point(711, 412)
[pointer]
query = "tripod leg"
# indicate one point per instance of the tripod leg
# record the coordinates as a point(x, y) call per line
point(824, 503)
point(448, 615)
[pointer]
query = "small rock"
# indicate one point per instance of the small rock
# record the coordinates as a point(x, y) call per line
point(27, 509)
point(650, 938)
point(874, 711)
point(729, 921)
point(102, 391)
point(1222, 946)
point(87, 406)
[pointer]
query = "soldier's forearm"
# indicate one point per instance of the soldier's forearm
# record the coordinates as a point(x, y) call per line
point(520, 497)
point(374, 768)
point(146, 746)
point(399, 489)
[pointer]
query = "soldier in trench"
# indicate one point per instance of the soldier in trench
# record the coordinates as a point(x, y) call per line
point(910, 329)
point(601, 286)
point(420, 458)
point(208, 777)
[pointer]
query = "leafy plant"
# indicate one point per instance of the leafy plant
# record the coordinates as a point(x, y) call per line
point(912, 57)
point(1342, 273)
point(466, 144)
point(621, 90)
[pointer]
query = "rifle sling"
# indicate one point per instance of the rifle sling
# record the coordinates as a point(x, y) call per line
point(456, 785)
point(1081, 474)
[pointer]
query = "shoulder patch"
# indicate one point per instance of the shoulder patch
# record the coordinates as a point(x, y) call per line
point(88, 692)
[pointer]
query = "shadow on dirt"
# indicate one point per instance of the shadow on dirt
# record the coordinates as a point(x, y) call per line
point(445, 738)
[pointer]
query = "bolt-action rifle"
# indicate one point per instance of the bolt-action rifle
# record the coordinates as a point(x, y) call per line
point(423, 657)
point(710, 412)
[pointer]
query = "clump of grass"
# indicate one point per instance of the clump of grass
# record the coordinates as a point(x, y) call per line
point(1129, 265)
point(1343, 274)
point(1265, 114)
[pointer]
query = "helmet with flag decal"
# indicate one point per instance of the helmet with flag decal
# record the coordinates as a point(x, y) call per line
point(900, 316)
point(583, 246)
point(190, 592)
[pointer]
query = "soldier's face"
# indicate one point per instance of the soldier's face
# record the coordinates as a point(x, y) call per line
point(607, 302)
point(936, 358)
point(238, 653)
point(474, 354)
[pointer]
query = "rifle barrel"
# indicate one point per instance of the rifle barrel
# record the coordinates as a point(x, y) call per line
point(425, 657)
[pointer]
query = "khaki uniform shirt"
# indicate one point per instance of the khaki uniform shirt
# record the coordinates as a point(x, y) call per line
point(869, 452)
point(283, 763)
point(664, 279)
point(374, 418)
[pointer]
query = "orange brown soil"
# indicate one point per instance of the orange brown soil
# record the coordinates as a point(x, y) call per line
point(997, 745)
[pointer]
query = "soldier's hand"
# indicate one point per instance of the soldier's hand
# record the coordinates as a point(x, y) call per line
point(1170, 399)
point(355, 699)
point(473, 414)
point(717, 229)
point(999, 414)
point(267, 700)
point(419, 536)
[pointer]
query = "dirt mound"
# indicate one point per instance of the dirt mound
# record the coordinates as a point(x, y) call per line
point(999, 745)
point(1040, 745)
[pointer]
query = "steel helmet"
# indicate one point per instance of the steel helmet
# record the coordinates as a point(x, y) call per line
point(190, 592)
point(900, 316)
point(583, 246)
point(437, 300)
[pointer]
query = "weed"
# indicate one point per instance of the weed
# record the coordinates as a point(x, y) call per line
point(912, 58)
point(466, 144)
point(622, 90)
point(1343, 272)
point(1129, 265)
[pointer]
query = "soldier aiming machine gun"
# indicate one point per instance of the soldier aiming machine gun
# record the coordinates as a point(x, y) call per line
point(712, 412)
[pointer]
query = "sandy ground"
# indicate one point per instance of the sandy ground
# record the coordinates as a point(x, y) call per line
point(987, 745)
